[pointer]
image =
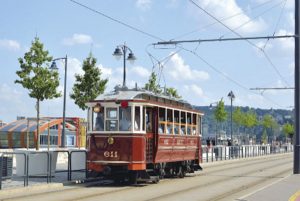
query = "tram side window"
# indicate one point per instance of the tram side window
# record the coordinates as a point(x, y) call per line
point(194, 123)
point(162, 120)
point(149, 120)
point(176, 122)
point(200, 124)
point(183, 123)
point(137, 118)
point(111, 119)
point(189, 123)
point(125, 119)
point(98, 119)
point(169, 122)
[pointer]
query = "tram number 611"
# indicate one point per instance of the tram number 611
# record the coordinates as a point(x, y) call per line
point(111, 154)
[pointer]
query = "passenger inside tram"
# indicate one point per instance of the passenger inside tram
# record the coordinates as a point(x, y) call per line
point(125, 119)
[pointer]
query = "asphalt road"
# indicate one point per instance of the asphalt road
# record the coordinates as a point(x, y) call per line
point(226, 180)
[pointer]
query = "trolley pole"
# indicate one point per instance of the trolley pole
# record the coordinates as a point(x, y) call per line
point(297, 92)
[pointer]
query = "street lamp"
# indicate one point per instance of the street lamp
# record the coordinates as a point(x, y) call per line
point(54, 67)
point(231, 96)
point(122, 50)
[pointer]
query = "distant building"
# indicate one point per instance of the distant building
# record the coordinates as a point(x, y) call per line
point(2, 123)
point(14, 135)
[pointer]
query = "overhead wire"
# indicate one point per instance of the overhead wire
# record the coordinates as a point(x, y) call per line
point(167, 58)
point(117, 21)
point(228, 77)
point(238, 34)
point(223, 19)
point(278, 21)
point(255, 17)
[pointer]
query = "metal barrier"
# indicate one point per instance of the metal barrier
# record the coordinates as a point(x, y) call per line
point(40, 165)
point(217, 153)
point(77, 170)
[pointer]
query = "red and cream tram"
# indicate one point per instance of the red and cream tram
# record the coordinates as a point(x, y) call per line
point(138, 135)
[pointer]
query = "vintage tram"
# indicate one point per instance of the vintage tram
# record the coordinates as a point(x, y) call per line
point(139, 135)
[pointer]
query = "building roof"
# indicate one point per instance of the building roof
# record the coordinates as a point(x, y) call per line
point(21, 125)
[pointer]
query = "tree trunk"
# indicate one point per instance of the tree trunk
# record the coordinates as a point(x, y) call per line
point(37, 124)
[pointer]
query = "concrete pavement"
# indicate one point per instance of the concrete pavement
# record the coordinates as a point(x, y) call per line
point(286, 189)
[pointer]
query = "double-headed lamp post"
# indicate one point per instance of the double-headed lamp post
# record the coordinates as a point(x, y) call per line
point(54, 67)
point(122, 50)
point(231, 96)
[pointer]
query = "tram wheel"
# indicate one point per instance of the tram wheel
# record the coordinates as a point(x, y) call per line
point(180, 172)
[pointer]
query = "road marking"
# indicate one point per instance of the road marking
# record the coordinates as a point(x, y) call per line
point(262, 188)
point(295, 197)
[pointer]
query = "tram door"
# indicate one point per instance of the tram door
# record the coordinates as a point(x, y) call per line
point(150, 128)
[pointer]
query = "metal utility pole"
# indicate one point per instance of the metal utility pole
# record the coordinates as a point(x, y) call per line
point(297, 92)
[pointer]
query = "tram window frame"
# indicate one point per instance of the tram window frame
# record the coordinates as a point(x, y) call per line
point(194, 124)
point(125, 124)
point(149, 119)
point(200, 125)
point(182, 123)
point(96, 115)
point(111, 119)
point(144, 119)
point(189, 123)
point(161, 120)
point(137, 121)
point(176, 122)
point(169, 124)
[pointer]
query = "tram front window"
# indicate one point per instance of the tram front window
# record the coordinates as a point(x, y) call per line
point(111, 119)
point(125, 119)
point(98, 120)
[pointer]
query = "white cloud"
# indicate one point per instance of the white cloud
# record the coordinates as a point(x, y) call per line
point(143, 4)
point(286, 43)
point(78, 39)
point(105, 72)
point(226, 8)
point(140, 71)
point(194, 89)
point(74, 67)
point(10, 44)
point(178, 70)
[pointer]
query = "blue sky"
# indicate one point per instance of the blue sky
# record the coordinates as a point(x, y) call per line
point(202, 73)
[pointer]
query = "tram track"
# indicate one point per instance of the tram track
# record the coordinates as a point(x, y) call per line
point(225, 179)
point(194, 187)
point(111, 189)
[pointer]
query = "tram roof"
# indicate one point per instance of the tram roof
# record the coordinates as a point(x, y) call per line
point(139, 94)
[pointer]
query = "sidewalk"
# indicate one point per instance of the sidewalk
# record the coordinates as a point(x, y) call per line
point(287, 189)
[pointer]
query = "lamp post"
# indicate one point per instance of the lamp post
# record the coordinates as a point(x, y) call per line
point(54, 67)
point(122, 50)
point(231, 96)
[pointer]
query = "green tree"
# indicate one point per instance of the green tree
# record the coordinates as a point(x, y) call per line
point(268, 122)
point(173, 92)
point(288, 130)
point(220, 113)
point(250, 119)
point(237, 117)
point(264, 136)
point(89, 85)
point(152, 84)
point(35, 76)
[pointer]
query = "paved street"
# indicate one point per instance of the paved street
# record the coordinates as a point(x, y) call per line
point(227, 180)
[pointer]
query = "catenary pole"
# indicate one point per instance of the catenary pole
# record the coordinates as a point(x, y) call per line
point(297, 92)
